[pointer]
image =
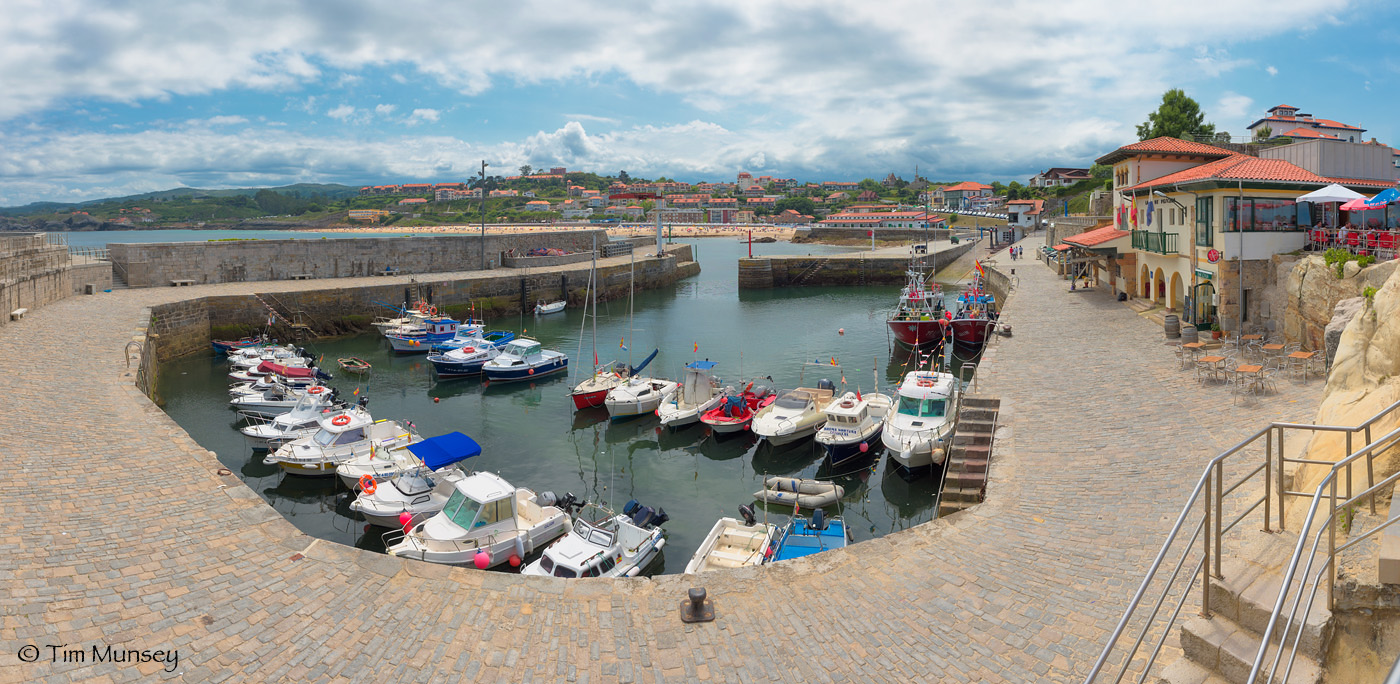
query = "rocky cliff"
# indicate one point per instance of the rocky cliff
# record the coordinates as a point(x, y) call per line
point(1312, 291)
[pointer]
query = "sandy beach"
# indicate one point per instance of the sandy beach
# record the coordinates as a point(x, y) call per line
point(779, 232)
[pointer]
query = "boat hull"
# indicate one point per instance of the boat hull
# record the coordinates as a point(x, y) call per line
point(449, 369)
point(842, 453)
point(921, 334)
point(594, 399)
point(971, 332)
point(518, 374)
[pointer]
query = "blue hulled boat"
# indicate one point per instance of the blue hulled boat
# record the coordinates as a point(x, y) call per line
point(802, 537)
point(524, 359)
point(408, 340)
point(474, 337)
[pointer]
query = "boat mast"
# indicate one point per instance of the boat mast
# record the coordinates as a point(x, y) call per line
point(631, 305)
point(593, 281)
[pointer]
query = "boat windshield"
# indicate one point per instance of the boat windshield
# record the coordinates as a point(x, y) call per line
point(461, 509)
point(324, 437)
point(593, 535)
point(795, 400)
point(304, 403)
point(520, 350)
point(922, 408)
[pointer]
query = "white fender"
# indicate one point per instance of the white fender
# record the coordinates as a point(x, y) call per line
point(520, 546)
point(660, 543)
point(634, 571)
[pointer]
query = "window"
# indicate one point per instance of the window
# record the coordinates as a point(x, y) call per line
point(926, 408)
point(607, 564)
point(1205, 232)
point(1257, 214)
point(494, 512)
point(461, 510)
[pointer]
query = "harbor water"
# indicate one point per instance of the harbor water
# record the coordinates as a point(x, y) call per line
point(532, 436)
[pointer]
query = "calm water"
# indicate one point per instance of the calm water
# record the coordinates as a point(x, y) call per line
point(533, 438)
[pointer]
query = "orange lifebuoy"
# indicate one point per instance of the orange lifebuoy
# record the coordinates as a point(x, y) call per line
point(926, 383)
point(341, 420)
point(432, 311)
point(847, 404)
point(367, 484)
point(316, 390)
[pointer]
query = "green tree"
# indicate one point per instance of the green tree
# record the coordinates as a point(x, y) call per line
point(871, 184)
point(1175, 117)
point(526, 170)
point(1263, 133)
point(1100, 171)
point(801, 205)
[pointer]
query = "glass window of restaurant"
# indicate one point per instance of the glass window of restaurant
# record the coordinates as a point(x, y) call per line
point(1205, 233)
point(1265, 214)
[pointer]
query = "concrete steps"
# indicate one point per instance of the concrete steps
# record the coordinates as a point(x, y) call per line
point(1224, 645)
point(969, 456)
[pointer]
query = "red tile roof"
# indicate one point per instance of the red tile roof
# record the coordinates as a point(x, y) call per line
point(966, 185)
point(1308, 133)
point(1096, 236)
point(1237, 167)
point(1368, 182)
point(1037, 206)
point(1164, 145)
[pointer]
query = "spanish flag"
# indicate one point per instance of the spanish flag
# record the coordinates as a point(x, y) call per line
point(696, 350)
point(833, 360)
point(978, 266)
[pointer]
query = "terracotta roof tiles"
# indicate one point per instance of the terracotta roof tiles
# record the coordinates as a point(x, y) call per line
point(1096, 236)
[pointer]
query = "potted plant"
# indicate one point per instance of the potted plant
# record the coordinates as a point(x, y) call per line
point(1215, 331)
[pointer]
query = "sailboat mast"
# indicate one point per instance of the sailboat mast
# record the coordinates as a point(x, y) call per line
point(631, 305)
point(594, 279)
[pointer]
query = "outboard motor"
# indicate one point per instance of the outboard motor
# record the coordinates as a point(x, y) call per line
point(363, 402)
point(546, 499)
point(659, 518)
point(818, 519)
point(630, 507)
point(322, 375)
point(826, 385)
point(762, 391)
point(746, 512)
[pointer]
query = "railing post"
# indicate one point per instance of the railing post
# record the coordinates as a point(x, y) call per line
point(1205, 567)
point(1282, 521)
point(1332, 547)
point(1219, 510)
point(1268, 473)
point(1348, 453)
point(1371, 470)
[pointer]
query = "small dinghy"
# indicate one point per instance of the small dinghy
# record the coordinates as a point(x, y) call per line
point(734, 544)
point(803, 537)
point(354, 364)
point(543, 308)
point(791, 491)
point(736, 409)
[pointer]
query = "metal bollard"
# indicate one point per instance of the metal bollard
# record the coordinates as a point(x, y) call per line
point(697, 608)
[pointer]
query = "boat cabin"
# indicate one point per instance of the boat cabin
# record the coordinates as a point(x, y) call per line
point(925, 394)
point(481, 504)
point(519, 350)
point(849, 412)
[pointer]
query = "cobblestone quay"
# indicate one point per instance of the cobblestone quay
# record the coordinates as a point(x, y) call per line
point(122, 532)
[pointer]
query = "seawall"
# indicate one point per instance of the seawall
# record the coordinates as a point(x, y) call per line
point(230, 261)
point(865, 268)
point(32, 273)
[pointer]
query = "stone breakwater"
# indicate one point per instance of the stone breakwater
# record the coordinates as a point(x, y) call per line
point(131, 534)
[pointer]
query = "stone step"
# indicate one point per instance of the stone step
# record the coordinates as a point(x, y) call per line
point(981, 402)
point(972, 439)
point(1248, 591)
point(1221, 645)
point(972, 465)
point(974, 414)
point(1183, 671)
point(968, 423)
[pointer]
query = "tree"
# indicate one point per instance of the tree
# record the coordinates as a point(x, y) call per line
point(1178, 115)
point(526, 170)
point(1263, 133)
point(622, 176)
point(870, 184)
point(1100, 171)
point(801, 205)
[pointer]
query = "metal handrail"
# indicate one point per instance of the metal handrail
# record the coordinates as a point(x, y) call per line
point(1212, 526)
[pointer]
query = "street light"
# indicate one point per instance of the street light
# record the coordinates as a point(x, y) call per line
point(482, 187)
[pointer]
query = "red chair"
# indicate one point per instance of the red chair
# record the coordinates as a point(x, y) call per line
point(1386, 246)
point(1353, 240)
point(1371, 240)
point(1318, 238)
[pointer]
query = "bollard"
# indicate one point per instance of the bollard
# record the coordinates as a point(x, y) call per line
point(697, 608)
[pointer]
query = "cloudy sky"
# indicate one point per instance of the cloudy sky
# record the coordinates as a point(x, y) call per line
point(102, 99)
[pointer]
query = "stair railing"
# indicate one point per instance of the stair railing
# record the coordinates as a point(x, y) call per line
point(1205, 512)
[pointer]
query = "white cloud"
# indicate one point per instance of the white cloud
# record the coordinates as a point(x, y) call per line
point(385, 109)
point(342, 112)
point(1273, 70)
point(225, 120)
point(422, 116)
point(1231, 106)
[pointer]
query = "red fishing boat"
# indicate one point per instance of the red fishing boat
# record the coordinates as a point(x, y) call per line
point(920, 321)
point(976, 314)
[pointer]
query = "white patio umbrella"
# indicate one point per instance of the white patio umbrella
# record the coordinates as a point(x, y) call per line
point(1331, 193)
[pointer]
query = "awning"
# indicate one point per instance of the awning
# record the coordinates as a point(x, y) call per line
point(444, 450)
point(1331, 193)
point(1061, 247)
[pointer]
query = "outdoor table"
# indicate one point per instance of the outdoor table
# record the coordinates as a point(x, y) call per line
point(1191, 349)
point(1252, 370)
point(1251, 337)
point(1299, 361)
point(1214, 362)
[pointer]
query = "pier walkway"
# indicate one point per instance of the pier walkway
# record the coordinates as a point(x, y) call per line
point(121, 532)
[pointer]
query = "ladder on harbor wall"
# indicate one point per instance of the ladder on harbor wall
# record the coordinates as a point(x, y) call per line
point(965, 472)
point(300, 329)
point(811, 270)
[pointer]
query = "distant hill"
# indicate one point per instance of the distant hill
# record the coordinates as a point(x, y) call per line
point(328, 190)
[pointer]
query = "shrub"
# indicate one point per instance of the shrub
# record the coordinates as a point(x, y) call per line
point(1365, 261)
point(1370, 294)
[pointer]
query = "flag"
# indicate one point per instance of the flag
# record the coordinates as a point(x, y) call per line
point(978, 265)
point(833, 360)
point(1132, 216)
point(356, 393)
point(696, 349)
point(843, 378)
point(622, 342)
point(595, 358)
point(857, 391)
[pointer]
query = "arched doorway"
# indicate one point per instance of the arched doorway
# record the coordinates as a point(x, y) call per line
point(1159, 287)
point(1146, 281)
point(1175, 302)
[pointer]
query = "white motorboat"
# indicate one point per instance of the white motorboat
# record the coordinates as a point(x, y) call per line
point(420, 493)
point(275, 400)
point(382, 464)
point(733, 543)
point(604, 544)
point(699, 392)
point(524, 359)
point(591, 393)
point(485, 522)
point(303, 420)
point(343, 436)
point(920, 424)
point(279, 355)
point(420, 340)
point(853, 425)
point(797, 413)
point(799, 493)
point(544, 308)
point(410, 317)
point(638, 396)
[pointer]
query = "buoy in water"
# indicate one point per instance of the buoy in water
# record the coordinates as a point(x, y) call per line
point(436, 400)
point(840, 331)
point(514, 561)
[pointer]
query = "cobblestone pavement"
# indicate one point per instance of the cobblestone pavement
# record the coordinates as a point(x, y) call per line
point(122, 533)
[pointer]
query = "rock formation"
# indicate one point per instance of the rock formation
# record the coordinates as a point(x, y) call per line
point(1313, 291)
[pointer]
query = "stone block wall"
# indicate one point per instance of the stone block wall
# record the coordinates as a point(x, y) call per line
point(98, 274)
point(179, 328)
point(792, 271)
point(157, 264)
point(510, 261)
point(32, 273)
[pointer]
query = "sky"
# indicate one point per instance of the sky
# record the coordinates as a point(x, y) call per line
point(102, 99)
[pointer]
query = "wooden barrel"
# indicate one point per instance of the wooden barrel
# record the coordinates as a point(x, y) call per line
point(755, 274)
point(1173, 326)
point(1188, 334)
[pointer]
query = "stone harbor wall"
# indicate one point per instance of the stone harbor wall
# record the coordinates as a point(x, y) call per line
point(98, 274)
point(32, 273)
point(840, 269)
point(224, 261)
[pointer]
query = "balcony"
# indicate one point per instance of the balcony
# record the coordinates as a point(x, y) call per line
point(1161, 243)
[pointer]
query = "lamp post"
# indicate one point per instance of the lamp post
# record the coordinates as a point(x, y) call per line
point(482, 187)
